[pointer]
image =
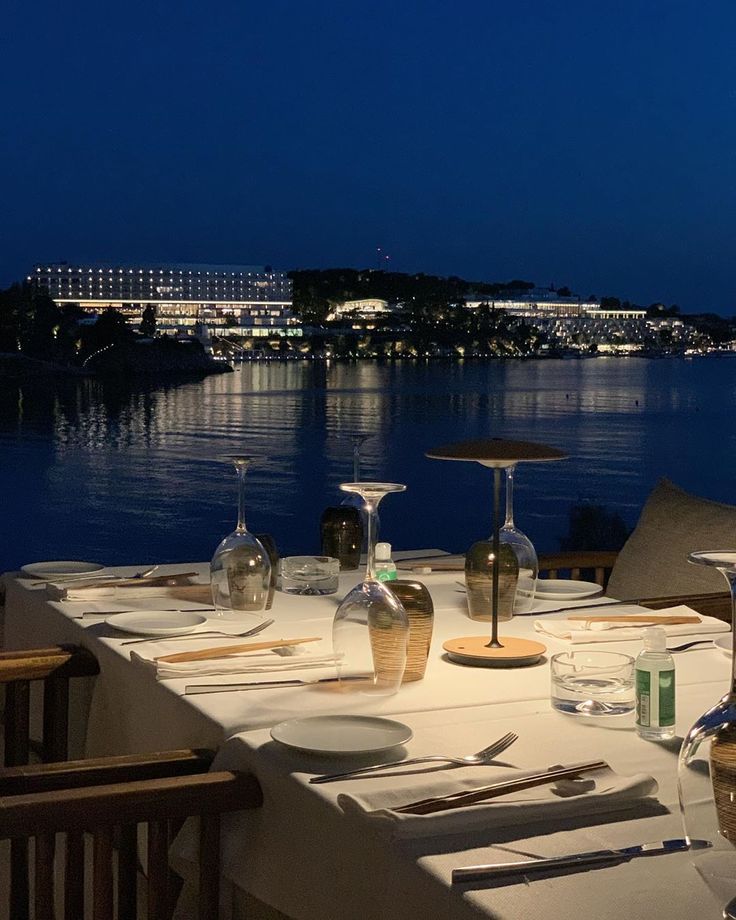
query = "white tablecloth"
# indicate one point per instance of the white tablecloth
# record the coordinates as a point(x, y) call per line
point(301, 855)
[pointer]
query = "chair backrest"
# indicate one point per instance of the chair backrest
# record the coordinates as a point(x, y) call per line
point(108, 798)
point(588, 566)
point(673, 523)
point(55, 666)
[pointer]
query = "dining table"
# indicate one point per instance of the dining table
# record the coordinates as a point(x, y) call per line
point(316, 851)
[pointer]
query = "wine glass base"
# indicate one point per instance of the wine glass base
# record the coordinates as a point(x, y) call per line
point(237, 616)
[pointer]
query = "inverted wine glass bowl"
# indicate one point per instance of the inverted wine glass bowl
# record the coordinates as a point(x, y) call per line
point(240, 570)
point(370, 633)
point(707, 770)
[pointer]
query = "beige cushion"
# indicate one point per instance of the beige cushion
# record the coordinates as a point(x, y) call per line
point(673, 523)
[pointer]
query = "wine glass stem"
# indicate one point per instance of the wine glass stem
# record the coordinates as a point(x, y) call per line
point(731, 576)
point(509, 522)
point(370, 516)
point(241, 469)
point(496, 552)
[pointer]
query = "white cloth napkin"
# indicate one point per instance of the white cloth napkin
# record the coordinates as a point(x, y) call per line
point(247, 663)
point(577, 631)
point(596, 792)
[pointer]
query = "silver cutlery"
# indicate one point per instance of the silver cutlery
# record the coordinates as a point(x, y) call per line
point(687, 645)
point(193, 689)
point(574, 860)
point(96, 576)
point(109, 613)
point(481, 758)
point(253, 631)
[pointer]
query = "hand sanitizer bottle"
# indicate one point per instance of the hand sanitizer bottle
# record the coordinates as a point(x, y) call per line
point(385, 566)
point(655, 688)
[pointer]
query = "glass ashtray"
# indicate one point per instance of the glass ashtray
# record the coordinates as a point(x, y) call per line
point(309, 576)
point(592, 683)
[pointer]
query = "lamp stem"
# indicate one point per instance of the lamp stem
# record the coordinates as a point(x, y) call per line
point(494, 643)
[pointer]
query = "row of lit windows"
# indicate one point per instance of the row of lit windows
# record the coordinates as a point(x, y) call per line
point(159, 271)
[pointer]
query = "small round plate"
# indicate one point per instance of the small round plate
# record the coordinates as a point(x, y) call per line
point(152, 623)
point(474, 651)
point(341, 734)
point(61, 569)
point(724, 643)
point(564, 589)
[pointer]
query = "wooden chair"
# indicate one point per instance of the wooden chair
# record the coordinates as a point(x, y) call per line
point(105, 797)
point(108, 798)
point(597, 567)
point(54, 666)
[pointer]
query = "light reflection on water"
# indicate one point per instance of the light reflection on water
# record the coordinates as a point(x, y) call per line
point(91, 472)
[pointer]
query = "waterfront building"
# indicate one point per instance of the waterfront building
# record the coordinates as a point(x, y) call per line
point(227, 300)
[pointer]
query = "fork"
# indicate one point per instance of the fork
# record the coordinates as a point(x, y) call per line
point(253, 631)
point(480, 759)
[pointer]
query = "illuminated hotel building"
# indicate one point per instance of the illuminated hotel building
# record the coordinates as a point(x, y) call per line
point(241, 300)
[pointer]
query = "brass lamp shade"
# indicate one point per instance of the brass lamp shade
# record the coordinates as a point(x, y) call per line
point(496, 452)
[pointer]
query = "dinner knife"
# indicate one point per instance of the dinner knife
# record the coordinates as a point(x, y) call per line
point(191, 689)
point(574, 860)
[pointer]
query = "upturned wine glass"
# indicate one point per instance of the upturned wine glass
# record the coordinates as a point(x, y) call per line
point(523, 549)
point(707, 771)
point(240, 571)
point(370, 633)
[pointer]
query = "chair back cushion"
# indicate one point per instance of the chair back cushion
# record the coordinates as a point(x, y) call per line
point(673, 523)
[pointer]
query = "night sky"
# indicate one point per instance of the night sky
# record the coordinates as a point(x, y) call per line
point(581, 143)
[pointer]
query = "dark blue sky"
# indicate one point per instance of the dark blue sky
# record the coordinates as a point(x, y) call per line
point(578, 143)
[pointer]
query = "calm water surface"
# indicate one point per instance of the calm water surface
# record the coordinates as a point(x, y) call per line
point(90, 472)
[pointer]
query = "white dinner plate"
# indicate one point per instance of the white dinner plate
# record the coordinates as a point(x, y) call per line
point(724, 643)
point(341, 734)
point(67, 567)
point(564, 589)
point(153, 623)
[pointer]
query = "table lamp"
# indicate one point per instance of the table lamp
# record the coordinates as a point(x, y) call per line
point(497, 454)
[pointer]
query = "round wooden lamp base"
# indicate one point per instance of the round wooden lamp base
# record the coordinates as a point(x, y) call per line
point(474, 651)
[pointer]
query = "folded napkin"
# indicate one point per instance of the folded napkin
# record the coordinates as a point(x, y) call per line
point(248, 663)
point(577, 631)
point(597, 792)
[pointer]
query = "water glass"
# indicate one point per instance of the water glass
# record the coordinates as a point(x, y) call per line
point(592, 683)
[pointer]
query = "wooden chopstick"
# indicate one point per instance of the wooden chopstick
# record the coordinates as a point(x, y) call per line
point(639, 618)
point(461, 799)
point(224, 650)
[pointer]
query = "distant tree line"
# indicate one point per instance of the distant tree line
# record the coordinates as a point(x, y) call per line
point(318, 291)
point(31, 323)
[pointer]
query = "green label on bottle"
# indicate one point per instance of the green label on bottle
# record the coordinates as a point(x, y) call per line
point(643, 697)
point(387, 575)
point(667, 697)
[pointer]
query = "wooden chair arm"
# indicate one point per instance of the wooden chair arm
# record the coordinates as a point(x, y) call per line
point(75, 774)
point(712, 605)
point(42, 663)
point(170, 798)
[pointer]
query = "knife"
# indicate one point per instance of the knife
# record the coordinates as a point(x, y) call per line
point(573, 860)
point(191, 689)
